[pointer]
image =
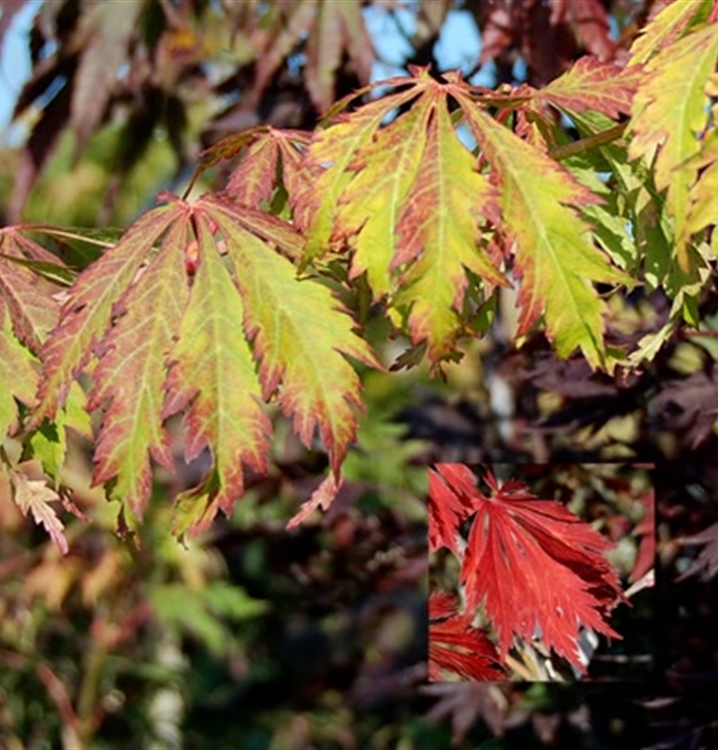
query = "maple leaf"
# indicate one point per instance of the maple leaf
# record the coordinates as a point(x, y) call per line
point(105, 31)
point(532, 563)
point(331, 156)
point(301, 336)
point(447, 509)
point(591, 84)
point(18, 375)
point(455, 646)
point(663, 30)
point(690, 406)
point(33, 312)
point(267, 154)
point(591, 22)
point(438, 232)
point(171, 336)
point(131, 371)
point(554, 257)
point(669, 112)
point(212, 376)
point(409, 227)
point(34, 496)
point(86, 316)
point(465, 703)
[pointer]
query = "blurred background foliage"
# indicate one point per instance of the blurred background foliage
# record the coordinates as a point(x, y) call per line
point(253, 636)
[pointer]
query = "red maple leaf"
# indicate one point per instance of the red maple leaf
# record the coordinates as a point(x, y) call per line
point(448, 510)
point(455, 646)
point(533, 564)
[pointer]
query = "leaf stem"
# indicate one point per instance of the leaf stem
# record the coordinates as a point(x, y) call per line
point(587, 143)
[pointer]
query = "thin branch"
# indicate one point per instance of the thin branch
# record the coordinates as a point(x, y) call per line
point(587, 143)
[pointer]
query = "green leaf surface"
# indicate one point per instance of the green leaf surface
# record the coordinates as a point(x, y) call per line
point(87, 314)
point(300, 334)
point(555, 258)
point(669, 113)
point(212, 375)
point(439, 235)
point(131, 370)
point(18, 375)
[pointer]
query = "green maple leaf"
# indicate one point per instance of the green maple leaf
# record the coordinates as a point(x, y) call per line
point(554, 255)
point(412, 204)
point(438, 235)
point(412, 227)
point(131, 370)
point(669, 113)
point(300, 335)
point(18, 375)
point(665, 28)
point(328, 170)
point(212, 376)
point(194, 312)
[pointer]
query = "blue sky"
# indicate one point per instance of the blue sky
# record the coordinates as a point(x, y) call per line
point(15, 61)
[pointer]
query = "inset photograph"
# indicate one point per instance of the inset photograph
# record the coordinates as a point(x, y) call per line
point(541, 572)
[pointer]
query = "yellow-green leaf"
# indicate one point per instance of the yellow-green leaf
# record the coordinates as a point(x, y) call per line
point(300, 335)
point(554, 255)
point(669, 113)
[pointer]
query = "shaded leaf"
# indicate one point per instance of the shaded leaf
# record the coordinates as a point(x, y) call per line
point(329, 28)
point(690, 405)
point(105, 31)
point(707, 559)
point(338, 27)
point(455, 646)
point(465, 703)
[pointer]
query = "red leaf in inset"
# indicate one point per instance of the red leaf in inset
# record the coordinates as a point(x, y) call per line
point(455, 646)
point(534, 564)
point(447, 509)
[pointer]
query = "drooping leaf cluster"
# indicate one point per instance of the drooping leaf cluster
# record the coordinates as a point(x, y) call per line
point(422, 203)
